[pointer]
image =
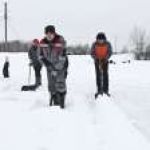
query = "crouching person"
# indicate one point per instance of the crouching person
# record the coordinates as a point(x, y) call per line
point(53, 54)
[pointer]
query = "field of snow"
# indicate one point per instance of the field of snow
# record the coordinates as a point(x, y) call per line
point(121, 122)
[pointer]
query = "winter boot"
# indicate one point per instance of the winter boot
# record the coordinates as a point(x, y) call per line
point(52, 99)
point(98, 93)
point(107, 93)
point(62, 100)
point(57, 99)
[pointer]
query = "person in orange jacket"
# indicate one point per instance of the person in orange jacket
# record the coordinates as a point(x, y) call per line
point(101, 51)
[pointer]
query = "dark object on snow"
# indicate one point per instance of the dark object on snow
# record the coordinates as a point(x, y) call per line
point(29, 88)
point(125, 62)
point(6, 69)
point(112, 62)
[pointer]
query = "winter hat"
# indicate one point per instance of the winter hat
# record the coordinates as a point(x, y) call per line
point(49, 28)
point(101, 36)
point(35, 41)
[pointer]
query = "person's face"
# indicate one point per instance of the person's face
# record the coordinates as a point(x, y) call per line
point(50, 36)
point(100, 40)
point(35, 44)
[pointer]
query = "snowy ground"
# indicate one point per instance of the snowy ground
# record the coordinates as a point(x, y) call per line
point(121, 122)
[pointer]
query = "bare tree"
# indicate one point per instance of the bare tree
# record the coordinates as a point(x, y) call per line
point(138, 40)
point(147, 53)
point(14, 46)
point(125, 50)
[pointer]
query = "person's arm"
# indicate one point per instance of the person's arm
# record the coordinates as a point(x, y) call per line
point(60, 44)
point(30, 57)
point(93, 50)
point(110, 52)
point(29, 53)
point(44, 48)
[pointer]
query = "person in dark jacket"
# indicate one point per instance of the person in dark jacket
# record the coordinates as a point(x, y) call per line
point(101, 51)
point(34, 56)
point(53, 54)
point(6, 68)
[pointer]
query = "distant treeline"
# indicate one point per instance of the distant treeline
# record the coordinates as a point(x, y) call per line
point(141, 51)
point(14, 46)
point(19, 46)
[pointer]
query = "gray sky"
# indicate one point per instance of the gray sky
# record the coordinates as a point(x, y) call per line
point(77, 20)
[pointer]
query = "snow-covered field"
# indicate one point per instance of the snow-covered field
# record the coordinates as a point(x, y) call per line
point(121, 122)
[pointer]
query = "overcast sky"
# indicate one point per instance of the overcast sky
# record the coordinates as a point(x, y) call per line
point(77, 20)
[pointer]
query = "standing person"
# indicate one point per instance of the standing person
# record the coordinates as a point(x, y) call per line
point(101, 51)
point(6, 68)
point(35, 61)
point(53, 53)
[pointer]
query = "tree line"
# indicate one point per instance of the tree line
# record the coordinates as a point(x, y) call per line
point(139, 45)
point(20, 46)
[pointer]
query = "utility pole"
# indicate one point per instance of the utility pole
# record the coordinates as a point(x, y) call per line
point(5, 18)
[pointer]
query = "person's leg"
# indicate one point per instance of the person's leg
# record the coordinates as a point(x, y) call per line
point(51, 87)
point(57, 99)
point(60, 86)
point(37, 69)
point(98, 77)
point(105, 78)
point(52, 97)
point(39, 74)
point(62, 101)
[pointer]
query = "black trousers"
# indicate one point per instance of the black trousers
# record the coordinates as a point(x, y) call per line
point(102, 76)
point(37, 69)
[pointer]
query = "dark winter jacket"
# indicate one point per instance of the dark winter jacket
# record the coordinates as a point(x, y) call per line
point(55, 58)
point(53, 54)
point(33, 55)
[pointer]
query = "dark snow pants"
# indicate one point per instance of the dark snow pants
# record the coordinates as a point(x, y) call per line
point(56, 86)
point(37, 69)
point(102, 79)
